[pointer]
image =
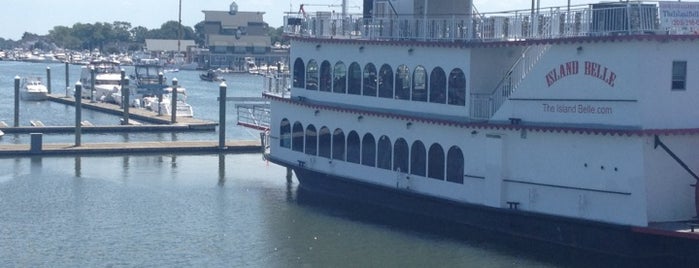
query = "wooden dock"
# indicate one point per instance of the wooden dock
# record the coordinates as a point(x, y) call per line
point(138, 114)
point(121, 148)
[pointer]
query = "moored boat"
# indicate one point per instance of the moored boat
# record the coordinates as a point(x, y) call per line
point(107, 76)
point(211, 76)
point(33, 89)
point(573, 126)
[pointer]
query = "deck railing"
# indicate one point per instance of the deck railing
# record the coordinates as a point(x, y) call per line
point(589, 20)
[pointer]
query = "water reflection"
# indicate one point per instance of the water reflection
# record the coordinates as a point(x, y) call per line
point(221, 170)
point(78, 167)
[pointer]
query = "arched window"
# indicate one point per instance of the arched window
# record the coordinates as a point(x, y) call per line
point(420, 84)
point(312, 75)
point(418, 159)
point(369, 150)
point(435, 160)
point(353, 147)
point(354, 82)
point(438, 86)
point(311, 140)
point(324, 142)
point(386, 82)
point(457, 88)
point(370, 80)
point(340, 78)
point(297, 137)
point(455, 165)
point(285, 134)
point(401, 155)
point(299, 73)
point(325, 76)
point(339, 144)
point(403, 82)
point(384, 153)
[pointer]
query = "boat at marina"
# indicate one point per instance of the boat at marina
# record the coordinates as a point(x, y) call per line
point(33, 89)
point(107, 75)
point(164, 105)
point(211, 76)
point(574, 126)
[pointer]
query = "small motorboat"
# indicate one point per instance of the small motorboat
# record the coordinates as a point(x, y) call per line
point(33, 89)
point(211, 76)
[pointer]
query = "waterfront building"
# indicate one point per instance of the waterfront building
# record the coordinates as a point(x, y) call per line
point(232, 36)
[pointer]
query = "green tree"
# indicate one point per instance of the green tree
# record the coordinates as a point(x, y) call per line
point(139, 34)
point(276, 34)
point(200, 34)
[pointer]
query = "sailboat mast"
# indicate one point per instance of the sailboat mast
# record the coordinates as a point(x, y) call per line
point(179, 31)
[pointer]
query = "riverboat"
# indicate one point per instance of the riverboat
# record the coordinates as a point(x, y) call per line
point(573, 125)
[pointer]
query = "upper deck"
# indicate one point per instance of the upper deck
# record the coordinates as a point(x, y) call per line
point(386, 23)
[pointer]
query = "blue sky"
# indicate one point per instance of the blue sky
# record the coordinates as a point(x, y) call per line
point(40, 16)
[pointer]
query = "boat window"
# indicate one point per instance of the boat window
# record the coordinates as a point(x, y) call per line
point(418, 158)
point(370, 80)
point(299, 73)
point(324, 142)
point(297, 137)
point(438, 86)
point(368, 150)
point(285, 134)
point(339, 144)
point(325, 76)
point(340, 78)
point(400, 153)
point(679, 75)
point(386, 82)
point(420, 84)
point(455, 165)
point(403, 83)
point(311, 140)
point(312, 75)
point(435, 168)
point(353, 147)
point(384, 153)
point(354, 82)
point(457, 87)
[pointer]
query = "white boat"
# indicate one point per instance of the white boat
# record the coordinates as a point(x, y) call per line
point(164, 107)
point(577, 128)
point(107, 80)
point(33, 89)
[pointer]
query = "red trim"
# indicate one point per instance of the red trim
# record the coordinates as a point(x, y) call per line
point(651, 231)
point(476, 44)
point(485, 125)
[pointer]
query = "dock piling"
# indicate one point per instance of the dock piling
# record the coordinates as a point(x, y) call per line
point(92, 84)
point(78, 113)
point(36, 143)
point(48, 79)
point(173, 102)
point(222, 116)
point(125, 91)
point(67, 82)
point(16, 123)
point(161, 80)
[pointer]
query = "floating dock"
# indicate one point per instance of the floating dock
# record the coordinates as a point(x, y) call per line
point(121, 148)
point(138, 114)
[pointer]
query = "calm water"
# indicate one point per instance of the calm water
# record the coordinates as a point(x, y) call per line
point(200, 210)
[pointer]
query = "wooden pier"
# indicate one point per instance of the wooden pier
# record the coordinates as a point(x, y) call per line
point(142, 115)
point(121, 148)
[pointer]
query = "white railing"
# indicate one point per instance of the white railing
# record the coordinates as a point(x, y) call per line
point(593, 20)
